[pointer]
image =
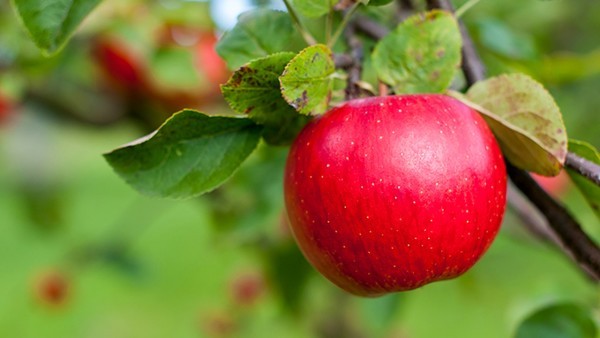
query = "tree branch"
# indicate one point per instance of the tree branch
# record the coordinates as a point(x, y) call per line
point(371, 28)
point(573, 240)
point(587, 169)
point(355, 70)
point(471, 62)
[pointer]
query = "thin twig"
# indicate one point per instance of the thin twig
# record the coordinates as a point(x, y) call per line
point(343, 61)
point(471, 62)
point(586, 168)
point(347, 15)
point(305, 33)
point(530, 216)
point(573, 240)
point(404, 9)
point(465, 7)
point(371, 28)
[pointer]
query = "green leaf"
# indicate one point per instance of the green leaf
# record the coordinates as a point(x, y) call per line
point(173, 69)
point(307, 80)
point(590, 191)
point(379, 2)
point(257, 34)
point(254, 90)
point(313, 8)
point(190, 154)
point(421, 55)
point(289, 273)
point(51, 22)
point(526, 121)
point(566, 320)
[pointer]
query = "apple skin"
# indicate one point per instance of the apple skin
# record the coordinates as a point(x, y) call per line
point(390, 193)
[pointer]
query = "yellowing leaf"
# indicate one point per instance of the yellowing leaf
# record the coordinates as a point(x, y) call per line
point(525, 119)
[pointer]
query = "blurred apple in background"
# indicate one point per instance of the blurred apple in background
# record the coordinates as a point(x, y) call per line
point(247, 288)
point(175, 68)
point(52, 288)
point(6, 108)
point(556, 186)
point(120, 64)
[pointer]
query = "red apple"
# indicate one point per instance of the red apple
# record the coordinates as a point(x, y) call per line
point(390, 193)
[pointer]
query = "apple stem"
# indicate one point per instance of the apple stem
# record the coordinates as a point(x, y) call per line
point(310, 40)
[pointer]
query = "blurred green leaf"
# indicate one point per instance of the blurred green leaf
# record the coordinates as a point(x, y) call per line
point(421, 55)
point(565, 67)
point(190, 154)
point(313, 8)
point(500, 38)
point(590, 191)
point(257, 34)
point(307, 80)
point(566, 320)
point(379, 312)
point(51, 22)
point(174, 69)
point(526, 121)
point(254, 90)
point(289, 271)
point(379, 2)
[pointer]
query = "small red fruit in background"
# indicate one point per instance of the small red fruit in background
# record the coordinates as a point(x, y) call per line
point(556, 186)
point(52, 288)
point(6, 108)
point(209, 62)
point(247, 288)
point(219, 324)
point(391, 193)
point(120, 64)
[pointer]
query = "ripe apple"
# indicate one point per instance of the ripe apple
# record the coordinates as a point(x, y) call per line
point(391, 193)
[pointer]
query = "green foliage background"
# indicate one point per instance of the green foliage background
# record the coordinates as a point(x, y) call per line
point(143, 267)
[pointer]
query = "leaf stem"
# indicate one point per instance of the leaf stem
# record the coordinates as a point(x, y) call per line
point(328, 25)
point(343, 24)
point(465, 7)
point(310, 40)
